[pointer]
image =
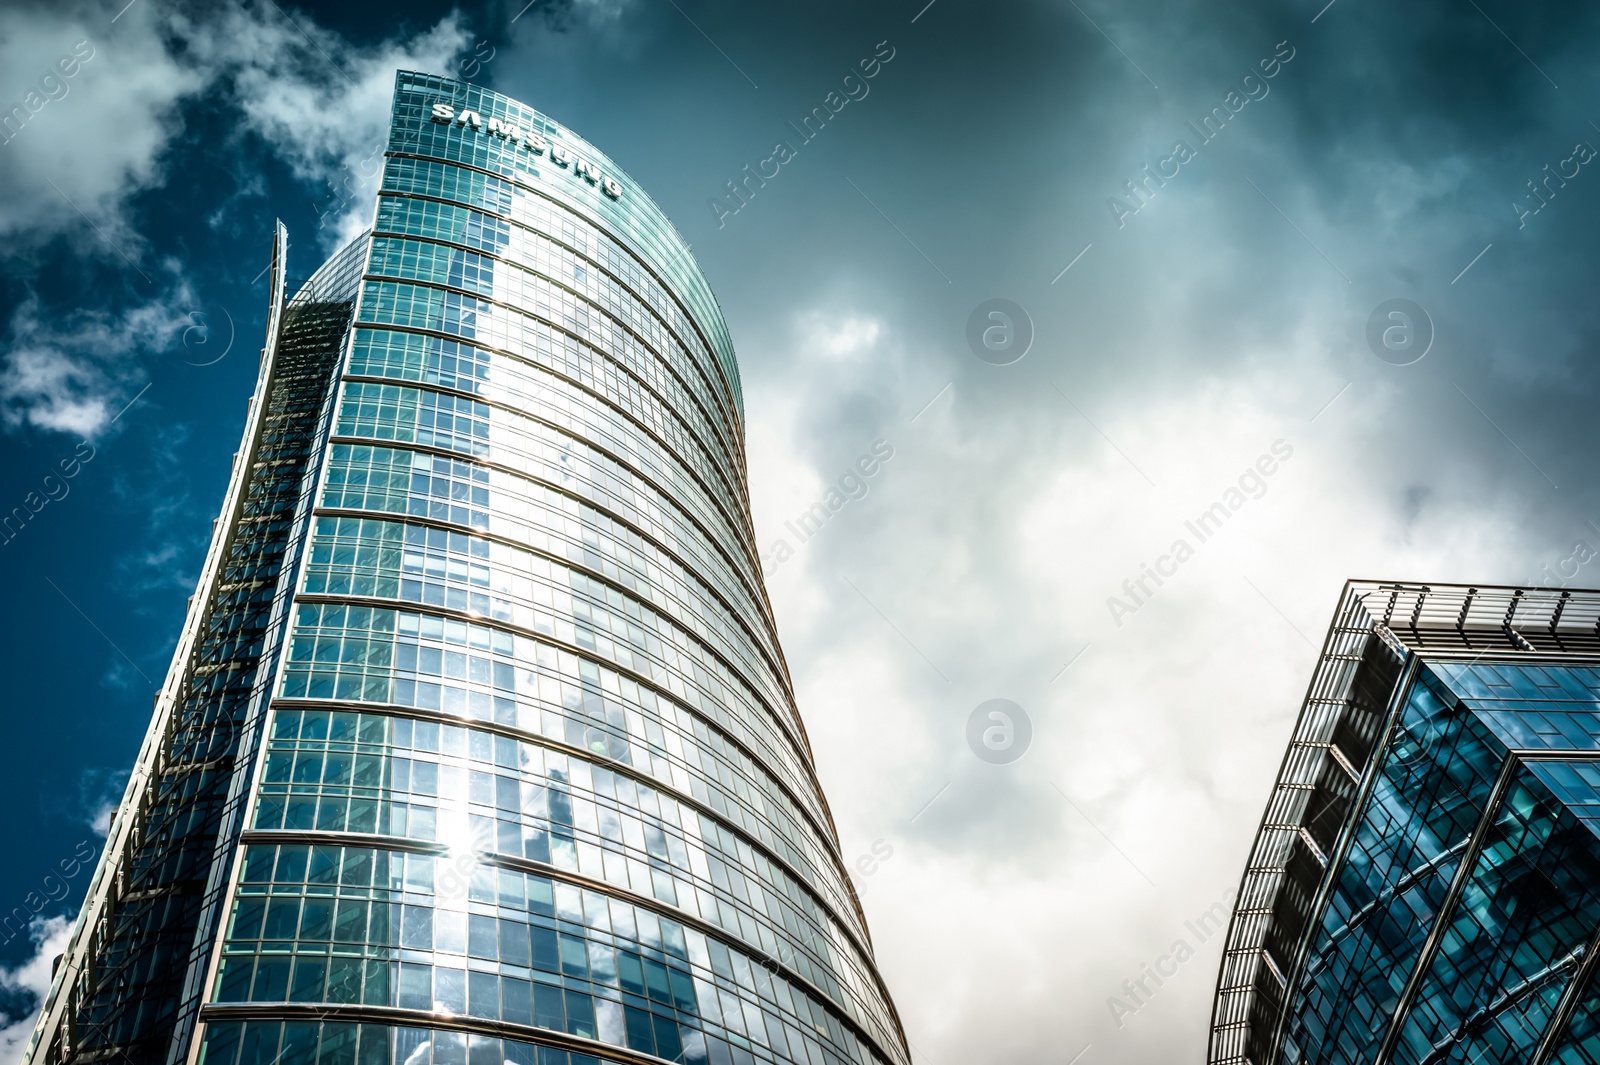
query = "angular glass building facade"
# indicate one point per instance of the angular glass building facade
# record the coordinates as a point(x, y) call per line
point(1425, 885)
point(478, 745)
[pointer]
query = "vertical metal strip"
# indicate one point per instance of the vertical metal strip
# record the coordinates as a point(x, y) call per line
point(1569, 1002)
point(1430, 946)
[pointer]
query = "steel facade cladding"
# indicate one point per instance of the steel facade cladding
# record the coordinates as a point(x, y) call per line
point(1426, 884)
point(531, 785)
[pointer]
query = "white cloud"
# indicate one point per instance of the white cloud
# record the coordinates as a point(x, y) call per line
point(990, 544)
point(71, 165)
point(601, 13)
point(840, 339)
point(99, 794)
point(32, 979)
point(100, 142)
point(73, 376)
point(100, 821)
point(320, 102)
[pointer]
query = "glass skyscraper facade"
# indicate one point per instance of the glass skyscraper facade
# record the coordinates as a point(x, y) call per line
point(478, 745)
point(1425, 885)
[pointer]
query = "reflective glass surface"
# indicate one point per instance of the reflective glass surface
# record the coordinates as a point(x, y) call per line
point(533, 787)
point(271, 1042)
point(415, 931)
point(1463, 910)
point(1527, 910)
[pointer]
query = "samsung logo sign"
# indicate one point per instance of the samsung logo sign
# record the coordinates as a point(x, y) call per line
point(535, 143)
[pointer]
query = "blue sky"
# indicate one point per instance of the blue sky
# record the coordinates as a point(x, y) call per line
point(1387, 156)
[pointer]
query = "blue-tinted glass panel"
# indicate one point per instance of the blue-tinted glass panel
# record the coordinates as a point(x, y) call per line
point(1407, 844)
point(1515, 937)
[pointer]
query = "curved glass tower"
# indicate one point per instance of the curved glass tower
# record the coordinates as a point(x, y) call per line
point(478, 745)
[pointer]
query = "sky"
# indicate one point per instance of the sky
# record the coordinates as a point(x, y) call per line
point(1195, 313)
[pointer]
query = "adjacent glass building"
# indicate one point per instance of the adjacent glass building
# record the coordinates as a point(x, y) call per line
point(1425, 885)
point(478, 745)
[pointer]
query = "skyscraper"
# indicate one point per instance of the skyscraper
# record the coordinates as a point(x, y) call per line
point(1425, 884)
point(478, 745)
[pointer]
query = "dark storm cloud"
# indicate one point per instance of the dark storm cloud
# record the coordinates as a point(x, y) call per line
point(1384, 158)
